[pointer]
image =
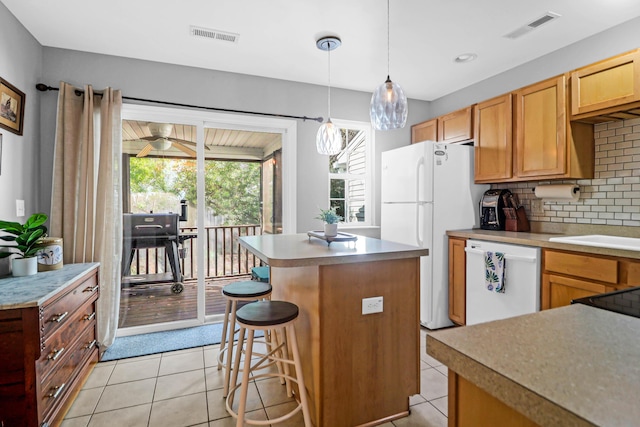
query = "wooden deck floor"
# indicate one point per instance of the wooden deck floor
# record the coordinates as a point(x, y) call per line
point(155, 303)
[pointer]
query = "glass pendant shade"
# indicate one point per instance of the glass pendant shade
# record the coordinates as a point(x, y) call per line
point(389, 107)
point(328, 139)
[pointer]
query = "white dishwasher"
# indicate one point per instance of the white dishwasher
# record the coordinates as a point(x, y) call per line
point(521, 276)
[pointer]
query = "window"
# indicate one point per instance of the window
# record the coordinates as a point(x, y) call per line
point(350, 182)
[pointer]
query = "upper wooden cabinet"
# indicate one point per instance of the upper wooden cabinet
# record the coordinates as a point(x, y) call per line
point(456, 126)
point(540, 128)
point(606, 86)
point(536, 132)
point(425, 131)
point(493, 140)
point(453, 127)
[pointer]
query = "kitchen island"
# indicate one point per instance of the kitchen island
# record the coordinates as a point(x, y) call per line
point(358, 369)
point(570, 366)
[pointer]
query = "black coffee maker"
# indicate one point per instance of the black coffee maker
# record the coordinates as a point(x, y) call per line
point(492, 216)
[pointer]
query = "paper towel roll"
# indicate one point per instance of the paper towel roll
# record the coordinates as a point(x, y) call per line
point(558, 192)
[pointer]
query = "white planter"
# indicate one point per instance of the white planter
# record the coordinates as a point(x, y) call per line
point(24, 266)
point(331, 230)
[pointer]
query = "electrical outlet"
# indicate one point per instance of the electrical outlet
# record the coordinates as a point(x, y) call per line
point(537, 207)
point(372, 305)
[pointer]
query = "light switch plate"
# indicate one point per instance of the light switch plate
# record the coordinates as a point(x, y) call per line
point(372, 305)
point(537, 206)
point(19, 207)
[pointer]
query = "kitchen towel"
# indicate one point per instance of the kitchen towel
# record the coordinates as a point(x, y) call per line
point(494, 277)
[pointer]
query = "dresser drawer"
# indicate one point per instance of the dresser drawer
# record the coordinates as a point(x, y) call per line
point(59, 311)
point(59, 383)
point(585, 266)
point(60, 342)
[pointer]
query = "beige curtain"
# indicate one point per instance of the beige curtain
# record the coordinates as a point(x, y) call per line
point(86, 208)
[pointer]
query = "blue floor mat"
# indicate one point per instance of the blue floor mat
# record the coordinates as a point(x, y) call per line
point(159, 342)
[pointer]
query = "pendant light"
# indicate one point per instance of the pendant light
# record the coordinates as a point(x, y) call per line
point(388, 103)
point(328, 139)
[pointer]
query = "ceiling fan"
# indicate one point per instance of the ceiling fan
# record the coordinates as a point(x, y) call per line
point(159, 140)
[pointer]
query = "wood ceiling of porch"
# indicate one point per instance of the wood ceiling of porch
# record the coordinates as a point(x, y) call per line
point(219, 143)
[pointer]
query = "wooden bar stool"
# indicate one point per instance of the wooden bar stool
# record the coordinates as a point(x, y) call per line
point(275, 317)
point(248, 290)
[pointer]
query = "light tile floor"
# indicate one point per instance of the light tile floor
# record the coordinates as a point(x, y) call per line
point(184, 388)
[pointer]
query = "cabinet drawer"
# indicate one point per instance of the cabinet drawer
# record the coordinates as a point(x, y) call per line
point(559, 291)
point(588, 267)
point(60, 343)
point(58, 312)
point(58, 385)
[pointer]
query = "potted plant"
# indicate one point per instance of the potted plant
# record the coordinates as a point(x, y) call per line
point(25, 237)
point(331, 219)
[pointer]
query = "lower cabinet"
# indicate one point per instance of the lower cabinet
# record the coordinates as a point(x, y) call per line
point(471, 406)
point(570, 275)
point(46, 353)
point(457, 280)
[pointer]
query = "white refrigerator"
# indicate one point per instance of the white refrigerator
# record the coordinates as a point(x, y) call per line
point(427, 189)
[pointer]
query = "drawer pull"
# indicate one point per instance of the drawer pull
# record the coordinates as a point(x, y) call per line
point(91, 345)
point(90, 316)
point(91, 289)
point(56, 391)
point(55, 354)
point(58, 317)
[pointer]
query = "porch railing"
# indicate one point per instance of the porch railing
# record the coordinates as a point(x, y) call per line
point(224, 255)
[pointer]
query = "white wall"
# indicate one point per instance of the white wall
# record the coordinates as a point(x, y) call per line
point(20, 65)
point(188, 85)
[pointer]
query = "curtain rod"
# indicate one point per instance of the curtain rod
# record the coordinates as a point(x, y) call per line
point(43, 88)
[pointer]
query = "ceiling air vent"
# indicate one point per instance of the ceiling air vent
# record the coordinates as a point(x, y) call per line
point(536, 23)
point(209, 33)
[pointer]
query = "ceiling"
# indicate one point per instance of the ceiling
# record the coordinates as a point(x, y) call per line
point(277, 37)
point(219, 143)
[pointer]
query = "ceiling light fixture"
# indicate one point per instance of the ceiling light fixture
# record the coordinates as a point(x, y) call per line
point(465, 57)
point(328, 139)
point(389, 107)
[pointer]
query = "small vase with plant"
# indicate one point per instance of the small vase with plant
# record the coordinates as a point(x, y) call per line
point(25, 238)
point(330, 219)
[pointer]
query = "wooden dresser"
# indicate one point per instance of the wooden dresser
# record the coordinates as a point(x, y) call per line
point(47, 343)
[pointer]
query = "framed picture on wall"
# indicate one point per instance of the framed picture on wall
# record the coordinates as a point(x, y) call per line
point(11, 107)
point(0, 154)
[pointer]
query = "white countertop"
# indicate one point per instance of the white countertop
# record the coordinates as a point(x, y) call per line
point(32, 291)
point(574, 365)
point(295, 250)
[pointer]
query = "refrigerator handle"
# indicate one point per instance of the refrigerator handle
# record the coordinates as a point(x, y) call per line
point(418, 223)
point(419, 164)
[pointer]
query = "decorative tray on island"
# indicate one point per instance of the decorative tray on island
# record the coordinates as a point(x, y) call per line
point(340, 237)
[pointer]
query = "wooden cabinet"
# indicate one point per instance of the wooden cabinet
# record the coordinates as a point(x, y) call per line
point(606, 86)
point(457, 281)
point(570, 275)
point(547, 145)
point(540, 127)
point(425, 131)
point(526, 135)
point(46, 353)
point(456, 126)
point(493, 140)
point(471, 406)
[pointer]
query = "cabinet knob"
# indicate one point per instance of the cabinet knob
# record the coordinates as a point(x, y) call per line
point(91, 345)
point(90, 316)
point(58, 317)
point(55, 354)
point(56, 391)
point(91, 289)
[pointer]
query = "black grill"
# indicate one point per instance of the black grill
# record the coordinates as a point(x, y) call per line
point(156, 230)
